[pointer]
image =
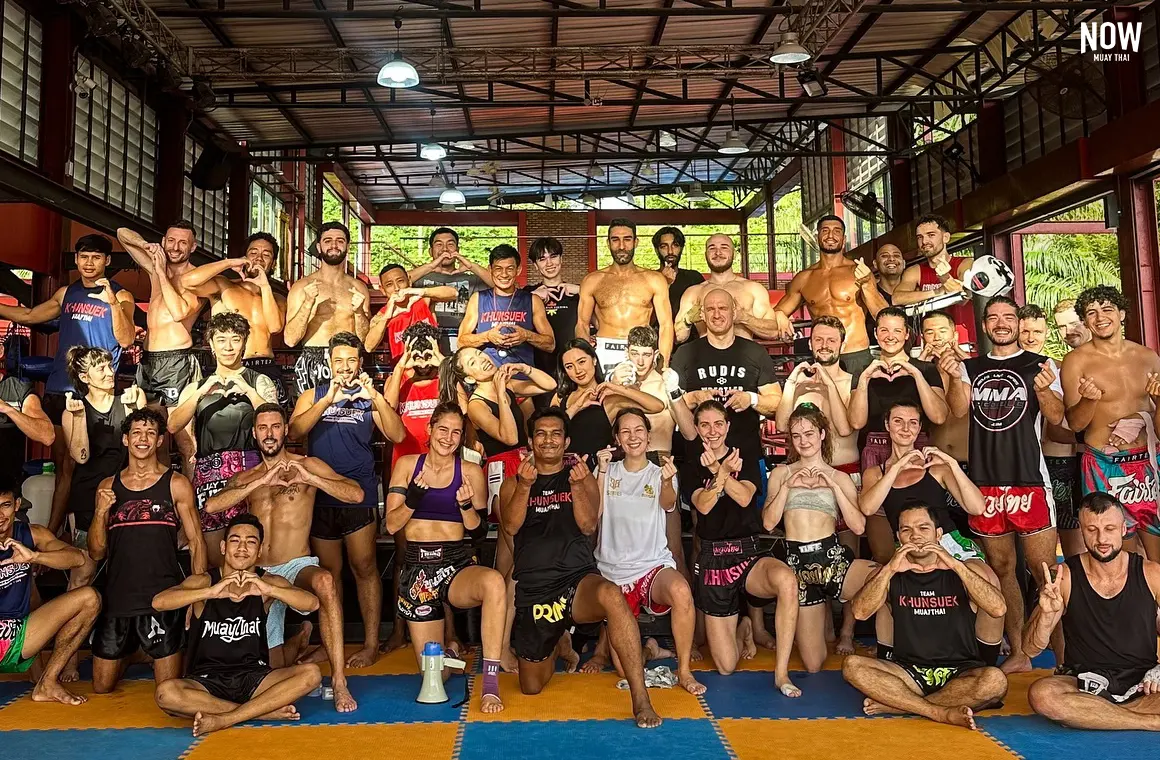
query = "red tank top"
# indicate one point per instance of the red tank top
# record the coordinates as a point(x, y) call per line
point(963, 313)
point(416, 402)
point(419, 312)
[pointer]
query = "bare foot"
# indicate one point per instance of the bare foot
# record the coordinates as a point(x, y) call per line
point(366, 657)
point(454, 648)
point(565, 652)
point(397, 640)
point(594, 665)
point(959, 716)
point(763, 639)
point(509, 663)
point(786, 687)
point(490, 703)
point(746, 648)
point(69, 675)
point(654, 651)
point(1016, 663)
point(695, 655)
point(646, 717)
point(690, 684)
point(205, 724)
point(870, 707)
point(317, 655)
point(289, 712)
point(343, 701)
point(52, 691)
point(845, 644)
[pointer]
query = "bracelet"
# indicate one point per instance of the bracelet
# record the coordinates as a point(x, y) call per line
point(464, 506)
point(753, 399)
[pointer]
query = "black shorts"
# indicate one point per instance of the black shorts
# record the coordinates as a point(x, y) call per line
point(1064, 473)
point(931, 679)
point(719, 575)
point(428, 570)
point(159, 635)
point(333, 523)
point(235, 686)
point(820, 567)
point(163, 375)
point(855, 361)
point(538, 627)
point(268, 366)
point(53, 406)
point(1117, 686)
point(311, 369)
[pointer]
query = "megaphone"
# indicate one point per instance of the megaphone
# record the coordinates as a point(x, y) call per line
point(989, 277)
point(432, 664)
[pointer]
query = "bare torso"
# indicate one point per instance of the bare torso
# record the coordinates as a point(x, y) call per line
point(334, 311)
point(286, 512)
point(660, 438)
point(745, 293)
point(164, 333)
point(624, 297)
point(832, 291)
point(953, 436)
point(246, 299)
point(814, 391)
point(1123, 378)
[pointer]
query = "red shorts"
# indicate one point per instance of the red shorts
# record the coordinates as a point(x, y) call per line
point(854, 470)
point(1014, 509)
point(639, 594)
point(497, 469)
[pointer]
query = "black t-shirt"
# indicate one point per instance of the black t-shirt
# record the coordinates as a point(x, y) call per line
point(685, 279)
point(561, 310)
point(550, 551)
point(934, 624)
point(743, 366)
point(727, 519)
point(881, 394)
point(13, 390)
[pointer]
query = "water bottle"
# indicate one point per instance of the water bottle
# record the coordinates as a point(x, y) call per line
point(37, 492)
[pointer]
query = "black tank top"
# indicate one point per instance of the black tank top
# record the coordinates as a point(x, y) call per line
point(225, 422)
point(107, 457)
point(142, 547)
point(590, 431)
point(550, 551)
point(928, 491)
point(1110, 634)
point(229, 636)
point(934, 624)
point(13, 390)
point(491, 446)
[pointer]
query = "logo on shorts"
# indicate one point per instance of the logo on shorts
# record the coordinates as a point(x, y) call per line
point(553, 612)
point(171, 393)
point(998, 399)
point(430, 555)
point(155, 628)
point(423, 609)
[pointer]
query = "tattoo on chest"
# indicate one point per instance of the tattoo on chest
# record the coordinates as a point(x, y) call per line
point(288, 490)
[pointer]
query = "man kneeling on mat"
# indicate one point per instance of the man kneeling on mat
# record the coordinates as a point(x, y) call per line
point(68, 617)
point(936, 671)
point(228, 675)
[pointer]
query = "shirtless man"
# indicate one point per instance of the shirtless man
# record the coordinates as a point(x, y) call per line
point(168, 365)
point(938, 337)
point(889, 264)
point(938, 274)
point(1111, 388)
point(252, 297)
point(623, 296)
point(281, 494)
point(837, 287)
point(324, 302)
point(755, 316)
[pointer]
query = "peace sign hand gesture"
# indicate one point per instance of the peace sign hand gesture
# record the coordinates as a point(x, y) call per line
point(1051, 593)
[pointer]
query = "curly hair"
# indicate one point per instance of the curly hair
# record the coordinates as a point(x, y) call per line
point(1097, 295)
point(807, 412)
point(424, 334)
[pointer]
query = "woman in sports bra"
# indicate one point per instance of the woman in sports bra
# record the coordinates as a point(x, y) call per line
point(807, 496)
point(591, 403)
point(926, 475)
point(437, 500)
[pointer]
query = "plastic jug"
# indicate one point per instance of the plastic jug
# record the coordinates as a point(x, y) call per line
point(37, 492)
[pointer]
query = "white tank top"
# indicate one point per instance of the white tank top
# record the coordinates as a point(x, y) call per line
point(632, 527)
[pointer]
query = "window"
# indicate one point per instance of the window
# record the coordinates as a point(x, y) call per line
point(207, 211)
point(19, 82)
point(115, 144)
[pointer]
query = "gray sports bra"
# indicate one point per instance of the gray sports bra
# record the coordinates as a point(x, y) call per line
point(817, 499)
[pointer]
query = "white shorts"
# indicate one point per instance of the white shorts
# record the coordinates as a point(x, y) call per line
point(276, 619)
point(610, 352)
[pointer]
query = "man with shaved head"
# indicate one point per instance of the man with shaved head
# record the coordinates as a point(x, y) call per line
point(755, 316)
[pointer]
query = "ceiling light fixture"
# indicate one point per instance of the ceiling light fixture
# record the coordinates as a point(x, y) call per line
point(667, 140)
point(452, 196)
point(811, 84)
point(695, 193)
point(734, 144)
point(595, 172)
point(432, 152)
point(790, 51)
point(397, 73)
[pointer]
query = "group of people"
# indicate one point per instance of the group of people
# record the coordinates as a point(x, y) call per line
point(588, 425)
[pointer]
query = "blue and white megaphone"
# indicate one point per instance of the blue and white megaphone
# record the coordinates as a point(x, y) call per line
point(432, 664)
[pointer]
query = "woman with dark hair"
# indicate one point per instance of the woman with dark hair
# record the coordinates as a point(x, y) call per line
point(437, 500)
point(590, 402)
point(222, 409)
point(808, 496)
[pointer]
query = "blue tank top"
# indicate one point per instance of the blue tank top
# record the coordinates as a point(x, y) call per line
point(342, 438)
point(439, 503)
point(16, 579)
point(84, 321)
point(515, 309)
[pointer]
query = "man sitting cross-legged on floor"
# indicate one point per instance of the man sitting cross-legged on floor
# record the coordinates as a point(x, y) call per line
point(936, 671)
point(24, 631)
point(1106, 599)
point(228, 675)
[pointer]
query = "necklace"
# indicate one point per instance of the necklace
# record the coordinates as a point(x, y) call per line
point(503, 352)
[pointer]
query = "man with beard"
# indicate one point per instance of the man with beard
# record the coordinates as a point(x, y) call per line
point(561, 299)
point(935, 671)
point(938, 274)
point(889, 264)
point(405, 306)
point(505, 321)
point(281, 493)
point(1112, 391)
point(1070, 327)
point(323, 303)
point(252, 297)
point(622, 296)
point(1106, 600)
point(449, 267)
point(168, 365)
point(669, 243)
point(838, 287)
point(755, 316)
point(940, 337)
point(1008, 394)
